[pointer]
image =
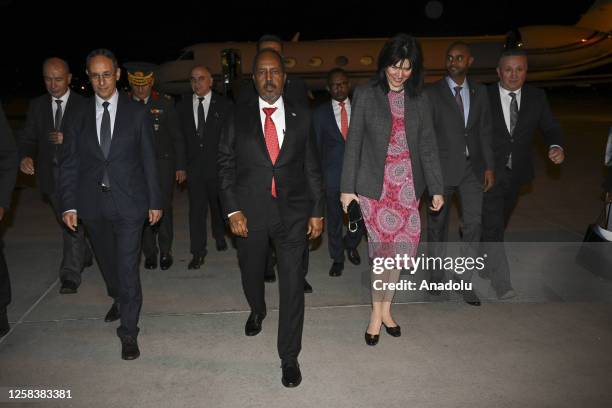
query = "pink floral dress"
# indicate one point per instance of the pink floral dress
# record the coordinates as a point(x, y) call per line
point(392, 222)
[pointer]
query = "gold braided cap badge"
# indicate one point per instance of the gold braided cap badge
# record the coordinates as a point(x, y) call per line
point(139, 78)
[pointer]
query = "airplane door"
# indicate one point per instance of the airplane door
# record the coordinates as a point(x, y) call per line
point(232, 70)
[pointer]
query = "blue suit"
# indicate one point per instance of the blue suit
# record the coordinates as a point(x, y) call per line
point(331, 150)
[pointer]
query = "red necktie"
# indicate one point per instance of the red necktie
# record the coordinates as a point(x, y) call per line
point(343, 120)
point(271, 141)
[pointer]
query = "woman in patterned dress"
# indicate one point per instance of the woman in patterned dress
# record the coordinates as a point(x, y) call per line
point(390, 158)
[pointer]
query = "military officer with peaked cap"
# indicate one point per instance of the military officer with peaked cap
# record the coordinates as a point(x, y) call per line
point(170, 151)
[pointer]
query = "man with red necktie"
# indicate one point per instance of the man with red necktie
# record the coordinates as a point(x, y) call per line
point(271, 190)
point(331, 123)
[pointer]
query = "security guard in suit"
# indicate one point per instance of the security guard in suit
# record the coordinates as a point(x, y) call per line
point(170, 149)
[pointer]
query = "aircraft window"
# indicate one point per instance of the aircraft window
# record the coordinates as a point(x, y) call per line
point(290, 62)
point(188, 55)
point(341, 60)
point(366, 60)
point(315, 62)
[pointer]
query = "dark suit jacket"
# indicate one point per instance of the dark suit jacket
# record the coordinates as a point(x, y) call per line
point(368, 140)
point(330, 143)
point(452, 133)
point(8, 161)
point(202, 153)
point(34, 141)
point(245, 168)
point(131, 163)
point(534, 113)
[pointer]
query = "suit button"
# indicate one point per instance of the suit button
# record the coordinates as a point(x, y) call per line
point(465, 134)
point(201, 145)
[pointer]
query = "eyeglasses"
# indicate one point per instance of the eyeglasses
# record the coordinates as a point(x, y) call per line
point(105, 76)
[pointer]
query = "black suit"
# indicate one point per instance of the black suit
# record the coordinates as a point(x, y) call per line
point(462, 170)
point(8, 173)
point(114, 219)
point(245, 175)
point(534, 113)
point(330, 143)
point(170, 151)
point(202, 170)
point(35, 144)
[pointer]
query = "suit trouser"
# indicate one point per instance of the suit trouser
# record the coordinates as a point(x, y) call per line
point(335, 219)
point(76, 251)
point(498, 204)
point(162, 233)
point(5, 282)
point(116, 242)
point(252, 253)
point(470, 192)
point(203, 193)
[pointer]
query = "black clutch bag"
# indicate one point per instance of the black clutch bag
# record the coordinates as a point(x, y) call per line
point(355, 218)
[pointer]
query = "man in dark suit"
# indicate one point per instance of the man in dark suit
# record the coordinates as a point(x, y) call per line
point(43, 135)
point(170, 151)
point(8, 172)
point(462, 123)
point(296, 92)
point(271, 188)
point(517, 110)
point(108, 177)
point(202, 115)
point(330, 123)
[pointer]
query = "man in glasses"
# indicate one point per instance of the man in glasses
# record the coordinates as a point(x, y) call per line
point(109, 179)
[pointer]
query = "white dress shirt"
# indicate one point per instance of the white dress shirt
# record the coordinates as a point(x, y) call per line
point(337, 110)
point(278, 117)
point(64, 99)
point(205, 103)
point(112, 110)
point(505, 100)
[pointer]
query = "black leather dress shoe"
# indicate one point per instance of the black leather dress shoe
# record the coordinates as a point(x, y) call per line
point(307, 287)
point(196, 262)
point(150, 262)
point(371, 339)
point(336, 269)
point(129, 348)
point(68, 287)
point(353, 256)
point(292, 376)
point(113, 313)
point(165, 261)
point(395, 331)
point(253, 324)
point(470, 297)
point(221, 245)
point(270, 277)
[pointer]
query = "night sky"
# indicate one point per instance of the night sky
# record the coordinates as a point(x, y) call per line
point(138, 31)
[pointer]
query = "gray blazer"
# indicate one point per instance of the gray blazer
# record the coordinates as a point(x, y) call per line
point(368, 138)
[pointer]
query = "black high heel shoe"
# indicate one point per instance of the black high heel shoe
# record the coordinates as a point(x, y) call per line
point(371, 339)
point(395, 331)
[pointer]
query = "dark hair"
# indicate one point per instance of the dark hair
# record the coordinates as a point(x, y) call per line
point(269, 38)
point(61, 61)
point(335, 71)
point(458, 43)
point(398, 48)
point(103, 52)
point(511, 52)
point(264, 51)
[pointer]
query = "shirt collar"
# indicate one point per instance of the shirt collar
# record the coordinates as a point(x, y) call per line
point(206, 97)
point(278, 104)
point(347, 102)
point(63, 98)
point(452, 84)
point(112, 101)
point(506, 92)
